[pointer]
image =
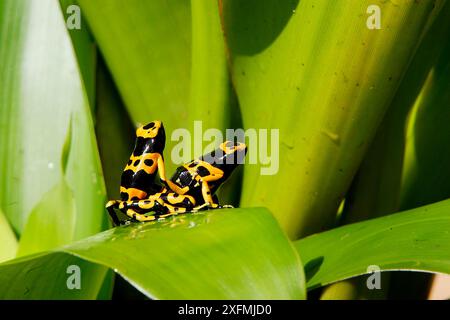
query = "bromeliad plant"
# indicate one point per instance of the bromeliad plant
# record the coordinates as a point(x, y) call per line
point(361, 112)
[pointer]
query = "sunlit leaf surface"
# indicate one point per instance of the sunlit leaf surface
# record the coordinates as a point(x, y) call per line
point(220, 254)
point(315, 71)
point(418, 239)
point(42, 93)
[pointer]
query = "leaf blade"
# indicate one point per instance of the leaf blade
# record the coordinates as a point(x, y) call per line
point(417, 239)
point(34, 73)
point(8, 240)
point(221, 254)
point(299, 67)
point(51, 223)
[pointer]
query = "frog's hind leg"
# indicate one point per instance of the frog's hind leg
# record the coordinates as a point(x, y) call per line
point(201, 207)
point(139, 209)
point(176, 203)
point(139, 216)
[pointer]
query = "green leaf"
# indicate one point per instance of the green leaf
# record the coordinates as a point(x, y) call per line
point(313, 70)
point(44, 276)
point(210, 85)
point(426, 173)
point(51, 224)
point(177, 81)
point(107, 288)
point(212, 99)
point(219, 254)
point(377, 187)
point(84, 46)
point(417, 239)
point(43, 92)
point(114, 130)
point(8, 241)
point(151, 73)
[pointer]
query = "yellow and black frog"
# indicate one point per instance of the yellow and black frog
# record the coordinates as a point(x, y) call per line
point(138, 179)
point(191, 188)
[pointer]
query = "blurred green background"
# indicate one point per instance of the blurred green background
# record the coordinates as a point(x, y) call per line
point(362, 116)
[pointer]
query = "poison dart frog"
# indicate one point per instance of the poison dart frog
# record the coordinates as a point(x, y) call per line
point(201, 177)
point(138, 177)
point(191, 188)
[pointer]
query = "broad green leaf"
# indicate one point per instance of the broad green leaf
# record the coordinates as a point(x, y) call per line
point(425, 176)
point(426, 173)
point(42, 93)
point(210, 86)
point(219, 254)
point(83, 44)
point(151, 73)
point(13, 15)
point(8, 241)
point(168, 62)
point(45, 276)
point(114, 131)
point(107, 288)
point(376, 188)
point(315, 71)
point(212, 99)
point(417, 239)
point(51, 224)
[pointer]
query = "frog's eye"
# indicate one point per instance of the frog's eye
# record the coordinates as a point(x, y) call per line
point(149, 130)
point(151, 125)
point(230, 146)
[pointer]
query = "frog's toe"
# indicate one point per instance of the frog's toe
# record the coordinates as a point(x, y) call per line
point(215, 206)
point(200, 208)
point(125, 222)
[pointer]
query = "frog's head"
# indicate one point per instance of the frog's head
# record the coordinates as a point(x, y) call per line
point(231, 148)
point(150, 130)
point(227, 157)
point(152, 136)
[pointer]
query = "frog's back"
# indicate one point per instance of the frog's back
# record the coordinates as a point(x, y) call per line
point(138, 177)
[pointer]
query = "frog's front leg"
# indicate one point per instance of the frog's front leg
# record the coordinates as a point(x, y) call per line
point(207, 196)
point(211, 202)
